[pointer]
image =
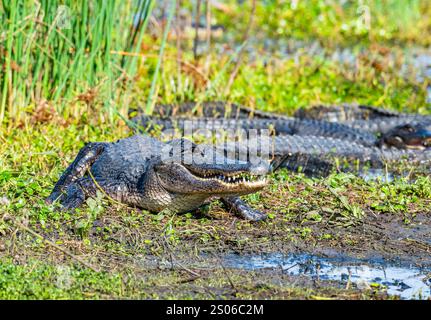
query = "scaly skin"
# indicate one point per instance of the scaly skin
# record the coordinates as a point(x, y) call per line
point(389, 126)
point(321, 146)
point(286, 126)
point(367, 118)
point(133, 170)
point(385, 124)
point(137, 172)
point(319, 156)
point(345, 113)
point(212, 109)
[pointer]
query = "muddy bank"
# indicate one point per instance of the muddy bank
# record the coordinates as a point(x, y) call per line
point(211, 254)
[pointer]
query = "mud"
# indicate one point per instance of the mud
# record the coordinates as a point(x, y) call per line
point(383, 254)
point(405, 281)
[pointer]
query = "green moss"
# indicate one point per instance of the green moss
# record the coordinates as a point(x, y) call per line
point(37, 280)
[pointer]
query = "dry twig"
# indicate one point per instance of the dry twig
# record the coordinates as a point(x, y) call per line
point(50, 243)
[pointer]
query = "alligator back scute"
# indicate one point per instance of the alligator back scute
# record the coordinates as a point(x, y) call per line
point(128, 157)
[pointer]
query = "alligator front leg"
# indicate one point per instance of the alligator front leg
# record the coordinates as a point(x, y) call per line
point(241, 209)
point(78, 191)
point(83, 161)
point(73, 197)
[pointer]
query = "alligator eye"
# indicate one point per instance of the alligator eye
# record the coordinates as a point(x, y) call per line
point(394, 141)
point(409, 128)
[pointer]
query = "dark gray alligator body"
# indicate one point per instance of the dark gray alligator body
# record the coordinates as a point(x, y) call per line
point(365, 118)
point(146, 173)
point(211, 109)
point(337, 148)
point(285, 126)
point(345, 113)
point(368, 118)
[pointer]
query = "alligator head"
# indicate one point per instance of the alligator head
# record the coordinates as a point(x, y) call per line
point(192, 174)
point(408, 136)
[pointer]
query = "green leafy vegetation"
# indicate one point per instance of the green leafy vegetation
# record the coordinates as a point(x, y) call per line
point(338, 22)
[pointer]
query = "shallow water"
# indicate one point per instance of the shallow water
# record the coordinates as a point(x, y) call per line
point(406, 281)
point(377, 174)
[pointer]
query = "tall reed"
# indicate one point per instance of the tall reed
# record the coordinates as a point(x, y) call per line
point(57, 50)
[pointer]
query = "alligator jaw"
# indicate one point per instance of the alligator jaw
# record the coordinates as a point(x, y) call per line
point(234, 179)
point(420, 140)
point(231, 179)
point(408, 136)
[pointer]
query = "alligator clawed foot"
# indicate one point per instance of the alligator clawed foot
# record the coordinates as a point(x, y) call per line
point(71, 198)
point(251, 214)
point(242, 210)
point(55, 196)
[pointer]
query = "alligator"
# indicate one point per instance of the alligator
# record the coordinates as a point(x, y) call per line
point(414, 136)
point(362, 117)
point(330, 148)
point(144, 172)
point(345, 112)
point(367, 118)
point(320, 156)
point(212, 109)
